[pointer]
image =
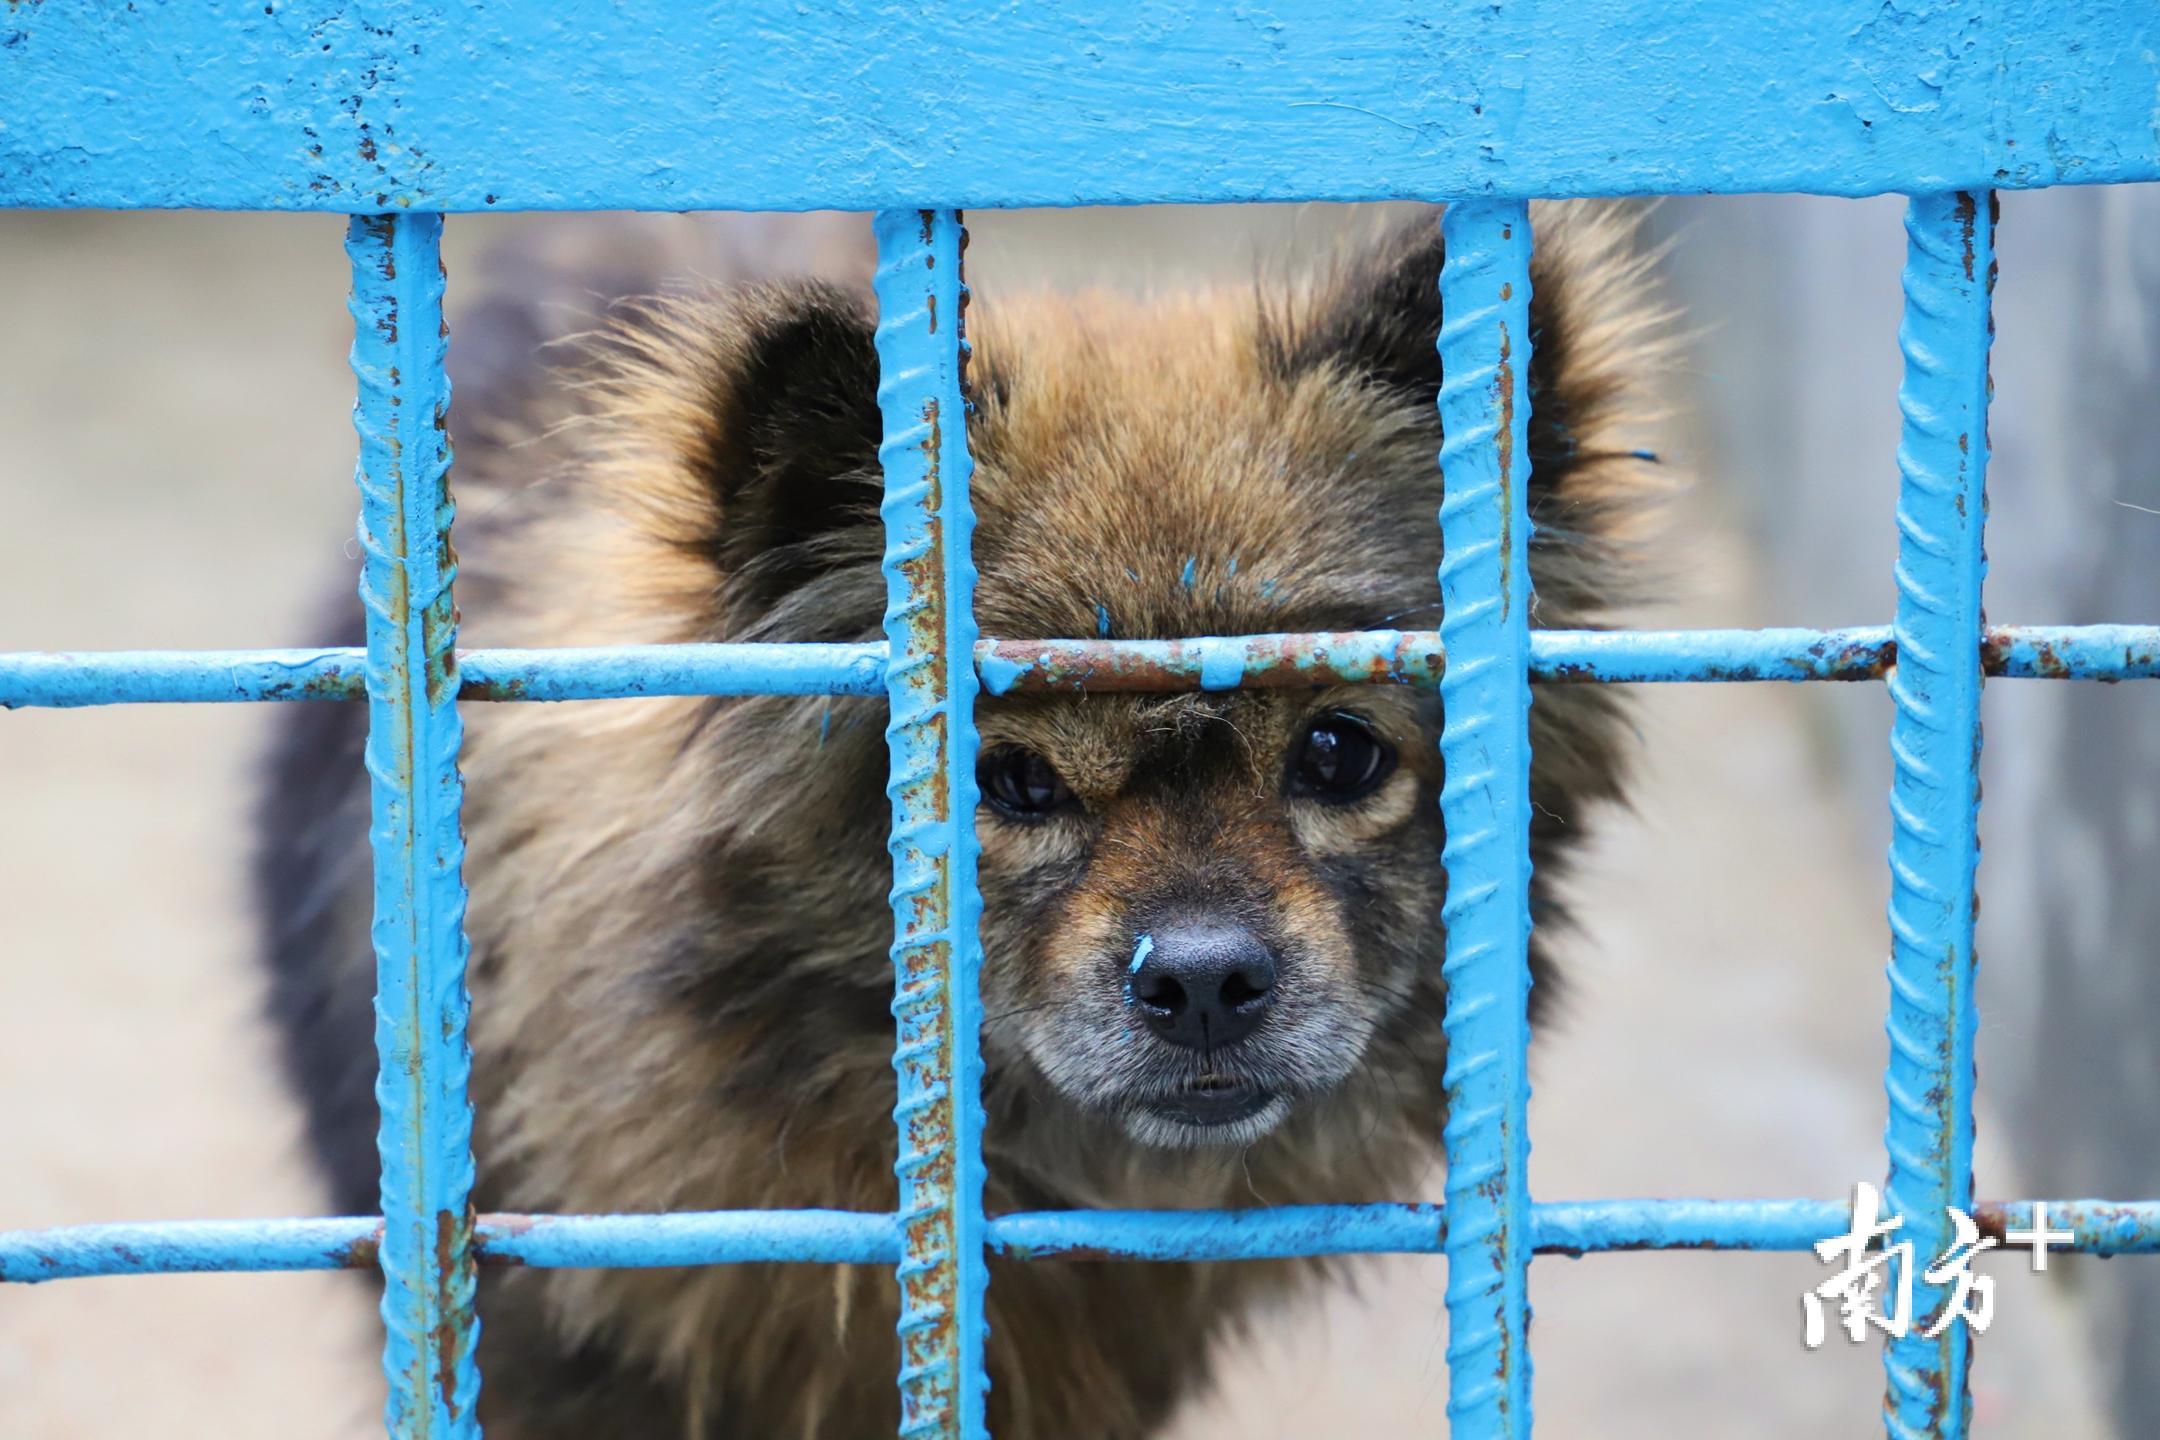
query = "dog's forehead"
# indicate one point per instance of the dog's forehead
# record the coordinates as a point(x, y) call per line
point(1168, 484)
point(1106, 745)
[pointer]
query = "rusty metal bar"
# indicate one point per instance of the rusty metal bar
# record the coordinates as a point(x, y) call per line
point(2105, 653)
point(1407, 657)
point(848, 1237)
point(937, 951)
point(1485, 800)
point(402, 416)
point(1935, 792)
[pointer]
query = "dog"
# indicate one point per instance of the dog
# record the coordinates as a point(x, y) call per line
point(1211, 933)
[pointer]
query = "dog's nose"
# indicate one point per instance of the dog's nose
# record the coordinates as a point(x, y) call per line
point(1202, 986)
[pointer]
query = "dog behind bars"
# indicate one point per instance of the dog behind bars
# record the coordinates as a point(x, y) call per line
point(1210, 927)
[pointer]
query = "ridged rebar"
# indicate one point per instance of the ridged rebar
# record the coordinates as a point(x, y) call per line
point(402, 415)
point(936, 953)
point(1935, 794)
point(1485, 746)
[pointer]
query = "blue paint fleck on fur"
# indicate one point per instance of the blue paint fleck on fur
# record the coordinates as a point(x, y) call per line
point(1192, 564)
point(1140, 952)
point(1102, 620)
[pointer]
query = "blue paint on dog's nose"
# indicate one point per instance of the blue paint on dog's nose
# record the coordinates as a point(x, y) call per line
point(1203, 985)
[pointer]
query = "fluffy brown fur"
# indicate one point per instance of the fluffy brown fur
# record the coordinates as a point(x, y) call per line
point(679, 921)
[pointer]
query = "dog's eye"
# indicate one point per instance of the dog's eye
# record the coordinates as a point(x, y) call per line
point(1020, 782)
point(1341, 759)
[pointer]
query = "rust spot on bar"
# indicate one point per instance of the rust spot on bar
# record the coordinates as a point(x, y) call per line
point(1504, 451)
point(1278, 662)
point(508, 687)
point(1968, 217)
point(364, 1253)
point(1856, 660)
point(453, 1240)
point(499, 1224)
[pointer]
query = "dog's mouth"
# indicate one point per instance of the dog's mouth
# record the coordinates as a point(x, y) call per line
point(1213, 1100)
point(1211, 1111)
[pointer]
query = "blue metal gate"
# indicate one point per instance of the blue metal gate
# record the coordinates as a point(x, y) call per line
point(397, 113)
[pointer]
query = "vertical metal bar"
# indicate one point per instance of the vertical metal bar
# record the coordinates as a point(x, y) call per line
point(1485, 746)
point(1935, 795)
point(937, 954)
point(413, 733)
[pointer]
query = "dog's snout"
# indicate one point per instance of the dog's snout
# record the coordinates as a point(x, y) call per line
point(1202, 986)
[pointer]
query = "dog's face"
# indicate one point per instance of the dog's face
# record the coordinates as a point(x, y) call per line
point(1202, 912)
point(1201, 909)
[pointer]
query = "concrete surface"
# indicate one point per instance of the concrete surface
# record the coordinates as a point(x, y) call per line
point(174, 471)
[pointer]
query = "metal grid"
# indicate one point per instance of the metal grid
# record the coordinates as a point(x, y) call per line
point(428, 1242)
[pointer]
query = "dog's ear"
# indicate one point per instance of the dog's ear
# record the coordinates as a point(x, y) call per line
point(793, 461)
point(1376, 316)
point(1376, 320)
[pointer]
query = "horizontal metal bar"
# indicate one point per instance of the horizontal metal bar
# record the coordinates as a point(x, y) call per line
point(436, 106)
point(188, 1247)
point(1287, 661)
point(623, 671)
point(1220, 1234)
point(841, 1237)
point(567, 673)
point(1030, 667)
point(853, 1237)
point(1864, 652)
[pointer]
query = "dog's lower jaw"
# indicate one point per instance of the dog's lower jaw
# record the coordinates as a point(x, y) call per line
point(1168, 1125)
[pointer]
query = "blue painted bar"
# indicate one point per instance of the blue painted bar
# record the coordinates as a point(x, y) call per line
point(1403, 657)
point(2105, 653)
point(937, 950)
point(1485, 800)
point(187, 1247)
point(844, 1237)
point(1588, 1227)
point(628, 671)
point(407, 568)
point(1257, 1234)
point(71, 679)
point(465, 105)
point(1935, 791)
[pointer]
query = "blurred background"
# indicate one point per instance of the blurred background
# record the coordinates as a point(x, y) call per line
point(175, 460)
